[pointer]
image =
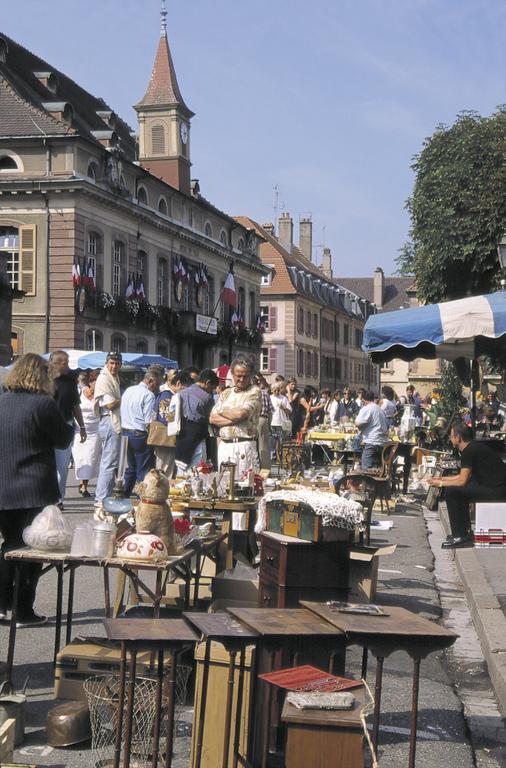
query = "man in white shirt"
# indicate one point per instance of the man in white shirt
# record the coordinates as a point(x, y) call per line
point(373, 425)
point(137, 405)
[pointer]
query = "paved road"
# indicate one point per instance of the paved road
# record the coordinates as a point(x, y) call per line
point(406, 578)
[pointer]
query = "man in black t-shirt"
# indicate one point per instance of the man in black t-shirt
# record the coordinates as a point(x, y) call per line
point(482, 478)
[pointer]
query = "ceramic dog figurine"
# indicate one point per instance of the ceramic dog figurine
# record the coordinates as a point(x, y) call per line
point(153, 514)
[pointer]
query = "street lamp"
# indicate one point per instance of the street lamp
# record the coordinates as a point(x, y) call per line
point(501, 252)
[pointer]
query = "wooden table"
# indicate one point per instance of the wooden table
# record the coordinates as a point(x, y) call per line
point(399, 629)
point(62, 562)
point(235, 636)
point(139, 635)
point(237, 541)
point(291, 629)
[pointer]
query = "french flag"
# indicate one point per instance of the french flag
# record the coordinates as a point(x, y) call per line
point(228, 294)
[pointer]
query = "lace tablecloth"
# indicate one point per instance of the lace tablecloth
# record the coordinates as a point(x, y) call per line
point(334, 510)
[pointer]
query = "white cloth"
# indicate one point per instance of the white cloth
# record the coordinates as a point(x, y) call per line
point(244, 454)
point(281, 409)
point(87, 455)
point(334, 510)
point(107, 384)
point(389, 408)
point(333, 411)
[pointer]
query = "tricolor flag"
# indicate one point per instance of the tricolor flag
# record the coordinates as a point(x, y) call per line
point(130, 289)
point(76, 273)
point(90, 275)
point(260, 323)
point(141, 293)
point(228, 294)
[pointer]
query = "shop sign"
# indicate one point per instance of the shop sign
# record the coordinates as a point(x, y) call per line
point(205, 324)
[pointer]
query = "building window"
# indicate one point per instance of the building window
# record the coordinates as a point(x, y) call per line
point(224, 308)
point(142, 195)
point(13, 269)
point(346, 372)
point(264, 360)
point(316, 363)
point(315, 325)
point(264, 315)
point(300, 320)
point(241, 303)
point(158, 140)
point(162, 283)
point(339, 368)
point(19, 248)
point(92, 171)
point(240, 245)
point(118, 343)
point(308, 324)
point(308, 363)
point(162, 206)
point(252, 309)
point(337, 328)
point(346, 334)
point(141, 347)
point(300, 362)
point(7, 163)
point(208, 230)
point(224, 238)
point(118, 261)
point(94, 340)
point(267, 279)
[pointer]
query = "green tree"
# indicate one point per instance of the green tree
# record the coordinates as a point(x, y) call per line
point(458, 209)
point(451, 391)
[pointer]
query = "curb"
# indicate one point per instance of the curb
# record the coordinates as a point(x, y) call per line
point(487, 614)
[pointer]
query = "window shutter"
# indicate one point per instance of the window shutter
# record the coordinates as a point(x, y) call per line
point(273, 359)
point(273, 318)
point(27, 259)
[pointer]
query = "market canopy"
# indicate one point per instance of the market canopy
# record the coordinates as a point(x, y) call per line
point(462, 328)
point(135, 359)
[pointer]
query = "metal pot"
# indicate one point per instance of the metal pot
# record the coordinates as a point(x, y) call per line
point(68, 724)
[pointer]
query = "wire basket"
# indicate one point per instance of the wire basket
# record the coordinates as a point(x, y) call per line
point(102, 692)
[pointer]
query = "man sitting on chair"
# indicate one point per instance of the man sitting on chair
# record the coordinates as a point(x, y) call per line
point(373, 425)
point(482, 478)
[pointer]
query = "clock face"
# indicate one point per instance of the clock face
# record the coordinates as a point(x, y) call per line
point(183, 130)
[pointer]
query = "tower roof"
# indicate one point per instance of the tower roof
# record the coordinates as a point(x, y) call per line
point(163, 89)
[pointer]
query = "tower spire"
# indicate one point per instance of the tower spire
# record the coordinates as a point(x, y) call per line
point(163, 15)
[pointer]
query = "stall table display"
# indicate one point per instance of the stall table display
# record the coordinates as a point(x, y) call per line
point(238, 540)
point(178, 565)
point(394, 629)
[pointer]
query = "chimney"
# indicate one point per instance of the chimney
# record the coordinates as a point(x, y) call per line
point(326, 266)
point(269, 228)
point(306, 237)
point(285, 227)
point(379, 279)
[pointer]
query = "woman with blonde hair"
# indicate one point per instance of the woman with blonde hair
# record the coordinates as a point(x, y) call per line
point(32, 427)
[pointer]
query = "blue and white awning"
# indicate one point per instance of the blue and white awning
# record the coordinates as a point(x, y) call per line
point(461, 328)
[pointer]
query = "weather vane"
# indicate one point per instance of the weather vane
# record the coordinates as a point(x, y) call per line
point(163, 14)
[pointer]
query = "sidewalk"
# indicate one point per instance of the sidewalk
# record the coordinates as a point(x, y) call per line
point(483, 574)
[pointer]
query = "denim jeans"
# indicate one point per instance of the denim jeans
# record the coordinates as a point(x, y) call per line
point(62, 456)
point(371, 456)
point(140, 458)
point(111, 443)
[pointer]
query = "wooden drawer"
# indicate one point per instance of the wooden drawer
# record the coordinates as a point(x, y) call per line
point(295, 563)
point(272, 595)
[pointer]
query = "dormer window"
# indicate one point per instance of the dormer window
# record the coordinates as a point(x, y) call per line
point(4, 49)
point(61, 110)
point(92, 171)
point(8, 163)
point(142, 195)
point(223, 238)
point(208, 230)
point(162, 206)
point(240, 245)
point(48, 80)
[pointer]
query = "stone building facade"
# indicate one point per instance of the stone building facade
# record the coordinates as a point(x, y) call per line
point(112, 243)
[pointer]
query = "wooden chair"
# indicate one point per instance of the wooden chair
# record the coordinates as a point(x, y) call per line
point(383, 475)
point(361, 488)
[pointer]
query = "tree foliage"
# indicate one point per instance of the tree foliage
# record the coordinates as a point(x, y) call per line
point(451, 389)
point(458, 209)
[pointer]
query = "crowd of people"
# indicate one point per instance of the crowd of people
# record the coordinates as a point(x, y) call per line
point(171, 420)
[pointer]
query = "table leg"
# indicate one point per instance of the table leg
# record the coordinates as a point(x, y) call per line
point(377, 701)
point(228, 708)
point(107, 592)
point(238, 709)
point(130, 708)
point(198, 567)
point(406, 472)
point(267, 718)
point(171, 706)
point(121, 704)
point(414, 713)
point(158, 711)
point(70, 605)
point(158, 595)
point(12, 629)
point(365, 654)
point(203, 702)
point(59, 607)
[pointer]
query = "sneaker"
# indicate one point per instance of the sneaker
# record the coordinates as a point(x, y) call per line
point(30, 620)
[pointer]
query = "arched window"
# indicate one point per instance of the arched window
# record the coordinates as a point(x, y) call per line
point(141, 347)
point(8, 163)
point(118, 343)
point(162, 283)
point(223, 238)
point(118, 267)
point(240, 245)
point(142, 195)
point(94, 340)
point(92, 171)
point(162, 206)
point(208, 230)
point(94, 263)
point(158, 140)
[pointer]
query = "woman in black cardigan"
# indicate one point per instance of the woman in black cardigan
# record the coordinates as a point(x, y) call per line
point(31, 427)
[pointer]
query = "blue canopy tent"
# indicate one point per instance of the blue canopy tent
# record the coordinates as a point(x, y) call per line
point(467, 328)
point(134, 359)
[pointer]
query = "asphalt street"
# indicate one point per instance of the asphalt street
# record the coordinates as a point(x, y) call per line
point(446, 735)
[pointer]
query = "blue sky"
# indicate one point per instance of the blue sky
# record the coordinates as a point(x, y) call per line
point(329, 100)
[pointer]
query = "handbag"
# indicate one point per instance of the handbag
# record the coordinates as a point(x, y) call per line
point(157, 436)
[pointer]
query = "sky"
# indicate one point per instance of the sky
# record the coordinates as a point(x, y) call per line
point(326, 101)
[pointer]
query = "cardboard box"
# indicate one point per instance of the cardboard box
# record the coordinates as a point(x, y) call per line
point(363, 578)
point(242, 591)
point(80, 660)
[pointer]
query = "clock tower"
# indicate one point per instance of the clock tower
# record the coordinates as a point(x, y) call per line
point(164, 121)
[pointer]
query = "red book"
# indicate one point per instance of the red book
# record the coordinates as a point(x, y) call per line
point(308, 678)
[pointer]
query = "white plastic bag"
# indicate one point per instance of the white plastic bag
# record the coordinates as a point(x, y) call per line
point(50, 531)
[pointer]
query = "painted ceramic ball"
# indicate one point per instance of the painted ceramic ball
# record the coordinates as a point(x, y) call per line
point(142, 546)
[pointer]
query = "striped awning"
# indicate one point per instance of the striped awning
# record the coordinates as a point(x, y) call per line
point(462, 328)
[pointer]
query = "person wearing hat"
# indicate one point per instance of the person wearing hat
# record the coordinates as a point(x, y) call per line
point(107, 401)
